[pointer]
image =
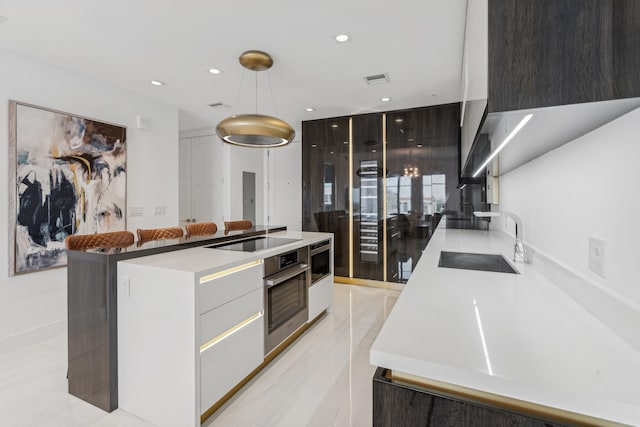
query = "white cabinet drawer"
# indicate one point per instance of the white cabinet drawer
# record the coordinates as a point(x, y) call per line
point(229, 285)
point(225, 364)
point(320, 296)
point(225, 317)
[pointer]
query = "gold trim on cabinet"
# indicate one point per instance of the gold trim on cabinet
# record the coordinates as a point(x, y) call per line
point(499, 401)
point(268, 358)
point(228, 271)
point(204, 347)
point(368, 282)
point(384, 196)
point(350, 196)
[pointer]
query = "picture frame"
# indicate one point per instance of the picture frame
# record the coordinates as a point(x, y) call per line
point(67, 175)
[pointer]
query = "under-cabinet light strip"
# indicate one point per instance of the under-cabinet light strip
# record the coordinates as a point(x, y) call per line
point(350, 196)
point(229, 332)
point(228, 271)
point(513, 133)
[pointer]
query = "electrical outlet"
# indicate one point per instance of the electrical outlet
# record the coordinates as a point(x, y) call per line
point(596, 255)
point(124, 288)
point(159, 210)
point(136, 211)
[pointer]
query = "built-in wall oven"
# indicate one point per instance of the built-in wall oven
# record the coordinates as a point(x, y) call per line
point(320, 260)
point(287, 278)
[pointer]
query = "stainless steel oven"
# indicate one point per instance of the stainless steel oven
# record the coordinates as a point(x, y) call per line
point(285, 295)
point(320, 254)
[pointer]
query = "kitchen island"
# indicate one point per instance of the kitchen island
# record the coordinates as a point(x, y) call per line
point(467, 347)
point(92, 310)
point(192, 324)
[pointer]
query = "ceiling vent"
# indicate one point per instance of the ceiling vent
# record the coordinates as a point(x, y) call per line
point(218, 105)
point(377, 79)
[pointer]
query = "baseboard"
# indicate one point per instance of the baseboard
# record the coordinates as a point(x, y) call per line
point(618, 313)
point(32, 336)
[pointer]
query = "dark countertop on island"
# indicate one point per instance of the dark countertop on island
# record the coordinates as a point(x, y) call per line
point(153, 247)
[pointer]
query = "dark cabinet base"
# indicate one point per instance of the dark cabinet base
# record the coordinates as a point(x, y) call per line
point(403, 405)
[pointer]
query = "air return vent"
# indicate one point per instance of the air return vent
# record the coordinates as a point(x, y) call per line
point(377, 79)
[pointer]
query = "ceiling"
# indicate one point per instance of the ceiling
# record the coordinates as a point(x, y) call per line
point(126, 44)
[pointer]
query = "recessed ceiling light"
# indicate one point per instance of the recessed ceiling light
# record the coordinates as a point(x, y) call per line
point(346, 143)
point(410, 139)
point(308, 110)
point(215, 70)
point(385, 99)
point(330, 152)
point(373, 151)
point(341, 38)
point(157, 83)
point(334, 125)
point(419, 145)
point(314, 145)
point(399, 120)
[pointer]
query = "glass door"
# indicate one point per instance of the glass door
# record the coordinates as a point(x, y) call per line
point(368, 208)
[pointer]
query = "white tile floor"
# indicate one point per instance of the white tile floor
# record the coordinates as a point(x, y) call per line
point(323, 379)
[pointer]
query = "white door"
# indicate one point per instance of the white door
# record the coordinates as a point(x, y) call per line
point(201, 178)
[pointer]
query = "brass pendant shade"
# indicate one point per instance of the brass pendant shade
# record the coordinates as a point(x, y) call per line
point(255, 130)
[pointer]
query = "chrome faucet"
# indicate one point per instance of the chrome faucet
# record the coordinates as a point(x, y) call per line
point(518, 249)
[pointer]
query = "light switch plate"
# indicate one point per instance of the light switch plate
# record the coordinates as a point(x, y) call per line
point(136, 210)
point(596, 255)
point(159, 210)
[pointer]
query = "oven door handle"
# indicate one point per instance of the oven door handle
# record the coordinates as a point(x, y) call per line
point(320, 250)
point(286, 275)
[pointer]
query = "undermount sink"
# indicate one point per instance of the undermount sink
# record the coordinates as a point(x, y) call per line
point(471, 261)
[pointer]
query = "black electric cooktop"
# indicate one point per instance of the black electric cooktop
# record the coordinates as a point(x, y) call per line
point(253, 244)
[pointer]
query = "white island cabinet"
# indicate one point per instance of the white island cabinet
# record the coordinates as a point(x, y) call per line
point(191, 328)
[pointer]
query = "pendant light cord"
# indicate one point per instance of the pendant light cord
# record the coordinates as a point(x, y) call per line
point(273, 98)
point(256, 73)
point(236, 106)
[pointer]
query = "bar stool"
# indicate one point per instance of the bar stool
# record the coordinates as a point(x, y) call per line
point(145, 235)
point(113, 239)
point(201, 229)
point(237, 225)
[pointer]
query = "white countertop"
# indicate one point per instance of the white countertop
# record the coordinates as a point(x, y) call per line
point(204, 261)
point(514, 335)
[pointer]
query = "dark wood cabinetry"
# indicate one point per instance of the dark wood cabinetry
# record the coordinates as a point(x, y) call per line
point(522, 55)
point(408, 406)
point(376, 181)
point(557, 52)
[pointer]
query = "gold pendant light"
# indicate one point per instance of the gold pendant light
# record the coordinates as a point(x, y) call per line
point(255, 130)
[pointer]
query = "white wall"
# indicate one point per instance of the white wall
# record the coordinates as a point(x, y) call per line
point(34, 306)
point(587, 187)
point(284, 166)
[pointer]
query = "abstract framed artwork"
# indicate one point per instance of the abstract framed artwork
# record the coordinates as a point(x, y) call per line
point(67, 175)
